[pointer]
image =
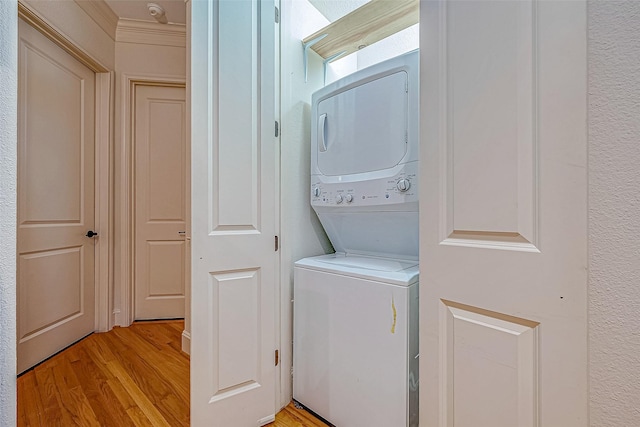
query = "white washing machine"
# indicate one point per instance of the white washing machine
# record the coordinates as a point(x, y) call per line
point(356, 311)
point(356, 340)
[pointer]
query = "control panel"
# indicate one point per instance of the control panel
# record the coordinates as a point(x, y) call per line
point(400, 188)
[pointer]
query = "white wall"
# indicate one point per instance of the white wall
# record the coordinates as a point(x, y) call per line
point(301, 234)
point(614, 212)
point(149, 59)
point(8, 141)
point(401, 42)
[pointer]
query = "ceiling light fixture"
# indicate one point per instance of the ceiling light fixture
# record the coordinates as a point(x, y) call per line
point(157, 12)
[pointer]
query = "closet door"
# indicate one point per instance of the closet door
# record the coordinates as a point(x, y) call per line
point(503, 285)
point(235, 200)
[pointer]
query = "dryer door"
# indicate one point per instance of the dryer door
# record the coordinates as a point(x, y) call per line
point(363, 128)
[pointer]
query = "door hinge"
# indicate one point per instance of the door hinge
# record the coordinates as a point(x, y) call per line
point(277, 15)
point(277, 128)
point(277, 243)
point(277, 357)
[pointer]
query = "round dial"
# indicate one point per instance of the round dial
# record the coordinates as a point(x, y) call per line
point(339, 198)
point(403, 184)
point(316, 191)
point(348, 198)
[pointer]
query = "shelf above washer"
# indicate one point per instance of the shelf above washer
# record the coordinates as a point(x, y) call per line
point(364, 26)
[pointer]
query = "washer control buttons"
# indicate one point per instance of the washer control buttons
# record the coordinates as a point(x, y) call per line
point(348, 198)
point(403, 185)
point(339, 199)
point(316, 191)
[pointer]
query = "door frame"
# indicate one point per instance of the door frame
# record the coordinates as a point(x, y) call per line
point(126, 215)
point(104, 121)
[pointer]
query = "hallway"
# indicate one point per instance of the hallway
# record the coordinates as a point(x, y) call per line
point(135, 376)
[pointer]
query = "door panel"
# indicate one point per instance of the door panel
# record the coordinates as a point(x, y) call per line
point(160, 201)
point(239, 326)
point(489, 351)
point(59, 292)
point(167, 272)
point(503, 214)
point(491, 142)
point(234, 213)
point(55, 198)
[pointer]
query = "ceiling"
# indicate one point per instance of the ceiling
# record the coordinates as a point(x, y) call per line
point(176, 9)
point(137, 9)
point(336, 9)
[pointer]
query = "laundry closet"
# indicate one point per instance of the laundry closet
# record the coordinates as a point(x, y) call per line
point(359, 138)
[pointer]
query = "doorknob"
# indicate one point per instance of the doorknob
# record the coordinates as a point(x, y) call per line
point(91, 233)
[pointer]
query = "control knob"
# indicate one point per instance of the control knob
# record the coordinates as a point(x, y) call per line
point(348, 198)
point(403, 184)
point(338, 198)
point(316, 191)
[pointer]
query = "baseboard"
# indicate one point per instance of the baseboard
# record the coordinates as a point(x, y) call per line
point(267, 420)
point(186, 342)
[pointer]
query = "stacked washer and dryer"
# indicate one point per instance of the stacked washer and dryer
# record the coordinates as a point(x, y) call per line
point(356, 311)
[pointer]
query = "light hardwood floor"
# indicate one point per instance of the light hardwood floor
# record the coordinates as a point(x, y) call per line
point(135, 376)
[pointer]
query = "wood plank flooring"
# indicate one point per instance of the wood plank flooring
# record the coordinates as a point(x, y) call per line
point(136, 376)
point(292, 417)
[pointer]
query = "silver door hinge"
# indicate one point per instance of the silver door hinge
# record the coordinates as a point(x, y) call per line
point(277, 245)
point(277, 357)
point(277, 15)
point(277, 129)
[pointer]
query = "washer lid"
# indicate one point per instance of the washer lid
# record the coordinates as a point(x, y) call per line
point(392, 271)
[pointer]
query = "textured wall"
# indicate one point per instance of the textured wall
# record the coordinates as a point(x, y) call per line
point(614, 212)
point(8, 138)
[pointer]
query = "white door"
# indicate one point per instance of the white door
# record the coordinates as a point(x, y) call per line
point(503, 294)
point(234, 181)
point(55, 298)
point(161, 209)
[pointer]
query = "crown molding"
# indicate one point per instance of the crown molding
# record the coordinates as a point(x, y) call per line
point(147, 32)
point(33, 18)
point(101, 13)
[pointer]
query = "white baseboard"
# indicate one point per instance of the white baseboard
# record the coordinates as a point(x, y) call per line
point(267, 420)
point(186, 342)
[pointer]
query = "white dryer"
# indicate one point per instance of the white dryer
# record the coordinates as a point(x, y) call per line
point(356, 311)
